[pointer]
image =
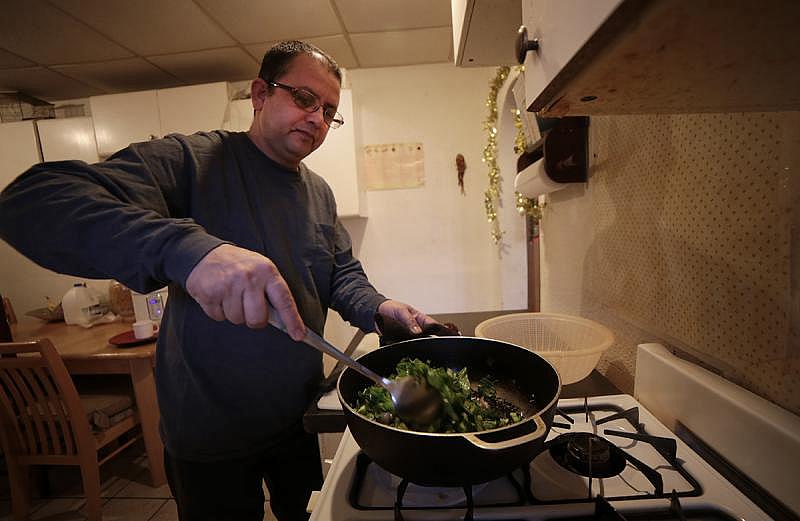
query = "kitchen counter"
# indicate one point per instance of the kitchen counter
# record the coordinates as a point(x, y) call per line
point(323, 420)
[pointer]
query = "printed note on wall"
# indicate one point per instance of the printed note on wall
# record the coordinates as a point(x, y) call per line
point(394, 165)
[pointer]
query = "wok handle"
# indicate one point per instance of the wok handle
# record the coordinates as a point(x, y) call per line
point(541, 430)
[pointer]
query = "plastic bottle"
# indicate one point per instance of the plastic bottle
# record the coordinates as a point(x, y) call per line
point(81, 306)
point(121, 301)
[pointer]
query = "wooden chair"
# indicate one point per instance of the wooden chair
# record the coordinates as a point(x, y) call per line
point(8, 309)
point(7, 319)
point(44, 423)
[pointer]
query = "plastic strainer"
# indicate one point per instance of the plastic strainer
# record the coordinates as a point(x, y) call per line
point(573, 345)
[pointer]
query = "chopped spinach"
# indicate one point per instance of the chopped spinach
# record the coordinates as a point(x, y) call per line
point(464, 409)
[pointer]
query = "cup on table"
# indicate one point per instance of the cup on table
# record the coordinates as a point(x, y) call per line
point(144, 329)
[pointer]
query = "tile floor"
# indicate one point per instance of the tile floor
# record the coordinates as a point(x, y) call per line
point(126, 493)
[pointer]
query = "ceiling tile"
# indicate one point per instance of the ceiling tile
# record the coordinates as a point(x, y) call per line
point(120, 75)
point(257, 50)
point(336, 46)
point(403, 47)
point(151, 27)
point(253, 21)
point(41, 33)
point(9, 60)
point(228, 64)
point(75, 48)
point(45, 84)
point(361, 16)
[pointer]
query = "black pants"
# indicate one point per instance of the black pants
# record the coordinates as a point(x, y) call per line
point(231, 490)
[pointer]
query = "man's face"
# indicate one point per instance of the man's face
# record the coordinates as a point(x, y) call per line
point(282, 130)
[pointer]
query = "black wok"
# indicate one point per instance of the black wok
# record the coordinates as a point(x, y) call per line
point(523, 378)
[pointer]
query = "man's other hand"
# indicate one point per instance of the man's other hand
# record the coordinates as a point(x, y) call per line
point(413, 319)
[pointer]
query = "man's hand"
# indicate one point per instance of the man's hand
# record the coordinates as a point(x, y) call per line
point(413, 319)
point(231, 283)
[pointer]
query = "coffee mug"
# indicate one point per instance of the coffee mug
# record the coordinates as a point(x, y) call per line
point(144, 329)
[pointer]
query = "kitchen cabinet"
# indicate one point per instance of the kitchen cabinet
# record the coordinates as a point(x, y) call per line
point(68, 138)
point(196, 108)
point(661, 56)
point(337, 160)
point(561, 28)
point(484, 31)
point(121, 119)
point(18, 148)
point(328, 444)
point(240, 115)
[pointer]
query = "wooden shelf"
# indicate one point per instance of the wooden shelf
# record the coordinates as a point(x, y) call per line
point(682, 56)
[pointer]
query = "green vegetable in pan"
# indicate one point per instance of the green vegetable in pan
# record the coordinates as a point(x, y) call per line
point(464, 408)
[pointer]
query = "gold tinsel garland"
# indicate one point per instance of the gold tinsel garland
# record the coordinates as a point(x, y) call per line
point(527, 207)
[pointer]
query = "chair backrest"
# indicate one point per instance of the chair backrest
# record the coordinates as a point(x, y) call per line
point(8, 309)
point(38, 403)
point(7, 318)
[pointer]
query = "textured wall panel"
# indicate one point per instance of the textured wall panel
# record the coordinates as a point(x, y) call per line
point(693, 219)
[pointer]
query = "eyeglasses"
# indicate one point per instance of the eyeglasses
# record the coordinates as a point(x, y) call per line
point(310, 102)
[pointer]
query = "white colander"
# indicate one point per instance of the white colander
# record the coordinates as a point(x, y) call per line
point(573, 345)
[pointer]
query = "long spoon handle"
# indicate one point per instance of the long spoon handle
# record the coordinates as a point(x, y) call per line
point(320, 344)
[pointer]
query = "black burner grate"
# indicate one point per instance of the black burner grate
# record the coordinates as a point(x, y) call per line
point(596, 447)
point(519, 483)
point(518, 487)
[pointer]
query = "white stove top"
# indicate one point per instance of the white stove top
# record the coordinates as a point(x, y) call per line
point(553, 492)
point(758, 437)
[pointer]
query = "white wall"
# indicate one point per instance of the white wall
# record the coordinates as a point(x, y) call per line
point(566, 235)
point(684, 235)
point(513, 252)
point(429, 246)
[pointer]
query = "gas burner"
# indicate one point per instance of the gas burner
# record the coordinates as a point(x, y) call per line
point(375, 489)
point(587, 454)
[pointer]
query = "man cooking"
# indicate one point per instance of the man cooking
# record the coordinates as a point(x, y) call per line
point(224, 219)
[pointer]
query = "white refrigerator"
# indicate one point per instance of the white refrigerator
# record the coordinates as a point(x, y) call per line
point(22, 145)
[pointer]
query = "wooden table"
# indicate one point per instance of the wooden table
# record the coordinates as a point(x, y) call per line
point(87, 351)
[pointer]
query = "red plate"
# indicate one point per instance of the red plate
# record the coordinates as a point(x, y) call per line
point(127, 339)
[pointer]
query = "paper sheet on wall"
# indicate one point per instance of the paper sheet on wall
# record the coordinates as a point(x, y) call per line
point(394, 165)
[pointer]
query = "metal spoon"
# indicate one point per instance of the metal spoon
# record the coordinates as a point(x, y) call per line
point(415, 402)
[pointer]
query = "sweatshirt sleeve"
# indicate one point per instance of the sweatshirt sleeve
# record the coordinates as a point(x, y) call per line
point(124, 218)
point(352, 295)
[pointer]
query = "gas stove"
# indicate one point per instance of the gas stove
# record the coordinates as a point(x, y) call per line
point(605, 457)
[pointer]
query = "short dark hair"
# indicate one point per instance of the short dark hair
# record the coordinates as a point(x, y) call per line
point(277, 59)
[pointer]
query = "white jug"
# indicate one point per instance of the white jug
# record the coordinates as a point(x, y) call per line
point(81, 305)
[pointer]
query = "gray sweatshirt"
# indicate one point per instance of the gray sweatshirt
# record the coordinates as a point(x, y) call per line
point(146, 217)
